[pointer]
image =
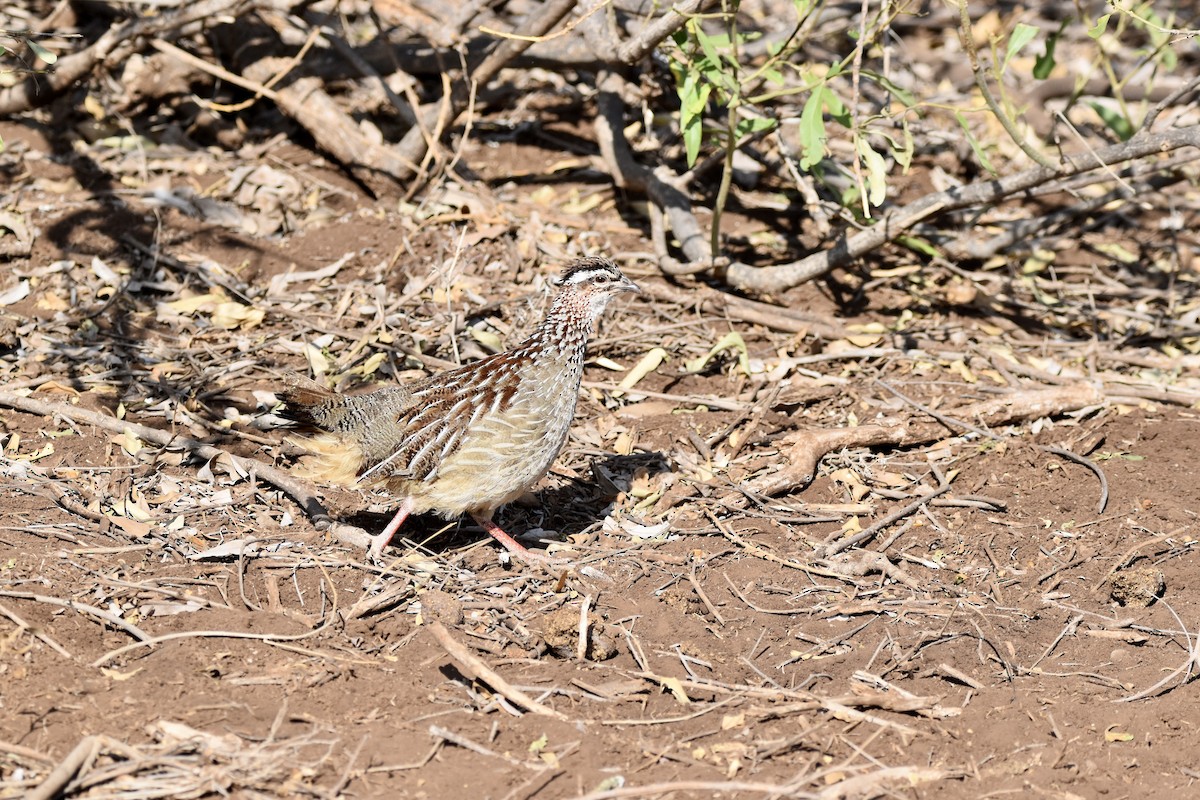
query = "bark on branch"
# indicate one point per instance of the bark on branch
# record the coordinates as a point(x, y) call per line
point(115, 44)
point(809, 445)
point(850, 246)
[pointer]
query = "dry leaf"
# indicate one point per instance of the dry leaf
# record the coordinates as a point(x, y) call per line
point(675, 687)
point(1111, 735)
point(198, 302)
point(115, 675)
point(232, 315)
point(644, 367)
point(15, 294)
point(490, 341)
point(608, 363)
point(368, 367)
point(130, 442)
point(135, 528)
point(55, 386)
point(317, 361)
point(731, 721)
point(730, 341)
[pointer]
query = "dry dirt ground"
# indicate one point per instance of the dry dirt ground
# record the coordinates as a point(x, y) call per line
point(181, 625)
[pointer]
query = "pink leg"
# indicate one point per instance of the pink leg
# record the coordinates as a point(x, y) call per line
point(510, 544)
point(384, 537)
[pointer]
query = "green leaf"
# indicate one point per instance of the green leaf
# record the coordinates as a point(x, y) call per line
point(41, 52)
point(903, 95)
point(901, 151)
point(692, 133)
point(971, 140)
point(876, 176)
point(749, 125)
point(1113, 120)
point(837, 109)
point(1097, 30)
point(919, 245)
point(693, 97)
point(1045, 62)
point(700, 101)
point(904, 153)
point(1022, 35)
point(707, 45)
point(812, 130)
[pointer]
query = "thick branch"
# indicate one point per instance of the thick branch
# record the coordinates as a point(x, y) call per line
point(811, 444)
point(648, 37)
point(851, 246)
point(628, 173)
point(37, 90)
point(306, 101)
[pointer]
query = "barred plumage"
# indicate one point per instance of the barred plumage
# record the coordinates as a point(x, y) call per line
point(468, 440)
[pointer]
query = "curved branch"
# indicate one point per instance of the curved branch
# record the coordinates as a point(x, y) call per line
point(415, 144)
point(849, 246)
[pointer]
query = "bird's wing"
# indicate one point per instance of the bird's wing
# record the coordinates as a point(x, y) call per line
point(439, 414)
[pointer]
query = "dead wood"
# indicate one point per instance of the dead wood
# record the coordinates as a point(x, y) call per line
point(474, 668)
point(306, 101)
point(62, 774)
point(414, 148)
point(850, 246)
point(120, 41)
point(295, 488)
point(777, 318)
point(627, 173)
point(809, 445)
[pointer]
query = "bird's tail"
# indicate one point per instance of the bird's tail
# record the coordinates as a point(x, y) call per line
point(350, 429)
point(335, 452)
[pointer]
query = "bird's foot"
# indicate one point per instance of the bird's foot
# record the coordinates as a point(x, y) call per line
point(382, 539)
point(518, 552)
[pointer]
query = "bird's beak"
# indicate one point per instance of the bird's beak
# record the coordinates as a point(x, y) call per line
point(629, 286)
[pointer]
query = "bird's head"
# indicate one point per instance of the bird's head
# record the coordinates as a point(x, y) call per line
point(592, 282)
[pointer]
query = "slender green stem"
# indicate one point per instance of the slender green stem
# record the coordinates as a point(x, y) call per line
point(731, 144)
point(968, 41)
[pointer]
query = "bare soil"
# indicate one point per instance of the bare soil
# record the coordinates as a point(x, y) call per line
point(974, 648)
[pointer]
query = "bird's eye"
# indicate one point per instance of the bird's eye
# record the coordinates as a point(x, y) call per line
point(603, 279)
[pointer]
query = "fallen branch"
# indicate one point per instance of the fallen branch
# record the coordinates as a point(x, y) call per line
point(306, 101)
point(850, 246)
point(810, 445)
point(473, 668)
point(114, 45)
point(298, 490)
point(84, 751)
point(414, 146)
point(721, 304)
point(83, 608)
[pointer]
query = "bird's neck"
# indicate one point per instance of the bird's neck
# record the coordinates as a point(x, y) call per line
point(565, 329)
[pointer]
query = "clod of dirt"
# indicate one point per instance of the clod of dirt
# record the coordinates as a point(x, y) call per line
point(1140, 586)
point(560, 629)
point(9, 340)
point(683, 597)
point(438, 606)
